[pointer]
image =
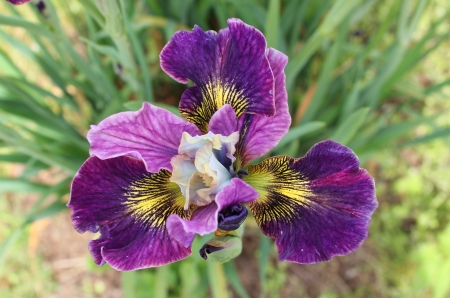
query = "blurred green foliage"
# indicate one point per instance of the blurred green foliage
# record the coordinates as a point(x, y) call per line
point(350, 78)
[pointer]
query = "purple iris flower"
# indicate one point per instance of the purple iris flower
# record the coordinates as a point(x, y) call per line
point(154, 180)
point(18, 2)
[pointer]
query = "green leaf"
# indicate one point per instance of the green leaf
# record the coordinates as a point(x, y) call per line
point(439, 133)
point(389, 133)
point(49, 211)
point(326, 74)
point(19, 185)
point(233, 279)
point(350, 103)
point(334, 18)
point(14, 157)
point(30, 148)
point(33, 28)
point(39, 116)
point(348, 129)
point(90, 7)
point(298, 132)
point(272, 31)
point(105, 50)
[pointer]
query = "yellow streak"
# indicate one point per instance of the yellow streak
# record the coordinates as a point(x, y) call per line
point(280, 189)
point(153, 198)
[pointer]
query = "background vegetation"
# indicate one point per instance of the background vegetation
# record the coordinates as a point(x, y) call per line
point(370, 74)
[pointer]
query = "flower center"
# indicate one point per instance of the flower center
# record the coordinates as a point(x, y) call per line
point(203, 166)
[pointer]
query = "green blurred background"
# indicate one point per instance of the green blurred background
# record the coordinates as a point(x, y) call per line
point(371, 74)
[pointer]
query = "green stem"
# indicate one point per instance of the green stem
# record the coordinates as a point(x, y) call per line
point(129, 284)
point(217, 280)
point(161, 286)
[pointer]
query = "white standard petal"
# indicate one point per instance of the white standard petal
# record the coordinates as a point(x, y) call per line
point(196, 192)
point(189, 145)
point(183, 168)
point(223, 176)
point(204, 166)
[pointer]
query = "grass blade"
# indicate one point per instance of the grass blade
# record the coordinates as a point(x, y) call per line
point(272, 31)
point(233, 278)
point(348, 129)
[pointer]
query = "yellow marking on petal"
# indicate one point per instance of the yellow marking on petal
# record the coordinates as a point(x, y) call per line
point(153, 198)
point(259, 181)
point(215, 95)
point(281, 189)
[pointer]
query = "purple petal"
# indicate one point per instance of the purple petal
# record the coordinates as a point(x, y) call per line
point(204, 219)
point(316, 207)
point(151, 134)
point(224, 121)
point(259, 134)
point(129, 206)
point(18, 2)
point(229, 67)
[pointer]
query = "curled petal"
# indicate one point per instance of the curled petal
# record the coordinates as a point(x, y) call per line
point(151, 134)
point(232, 217)
point(129, 206)
point(258, 134)
point(229, 67)
point(205, 219)
point(316, 207)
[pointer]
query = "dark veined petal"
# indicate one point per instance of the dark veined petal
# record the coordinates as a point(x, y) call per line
point(18, 2)
point(129, 206)
point(229, 67)
point(151, 134)
point(316, 207)
point(258, 134)
point(205, 219)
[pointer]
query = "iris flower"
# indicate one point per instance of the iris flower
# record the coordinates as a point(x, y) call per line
point(154, 180)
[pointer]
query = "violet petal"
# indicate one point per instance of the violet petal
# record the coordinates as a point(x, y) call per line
point(229, 67)
point(151, 134)
point(129, 206)
point(258, 134)
point(316, 207)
